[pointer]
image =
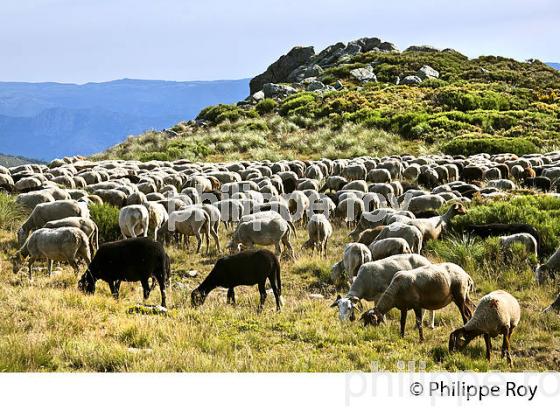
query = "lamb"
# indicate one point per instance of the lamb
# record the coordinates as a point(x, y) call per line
point(355, 255)
point(85, 224)
point(320, 230)
point(134, 221)
point(129, 260)
point(410, 233)
point(247, 268)
point(497, 313)
point(50, 211)
point(526, 239)
point(373, 279)
point(388, 247)
point(427, 287)
point(62, 244)
point(262, 231)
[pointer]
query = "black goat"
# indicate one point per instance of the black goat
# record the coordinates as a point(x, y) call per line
point(246, 268)
point(129, 260)
point(499, 229)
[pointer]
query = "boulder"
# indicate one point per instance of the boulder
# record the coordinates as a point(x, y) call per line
point(369, 44)
point(258, 96)
point(386, 46)
point(364, 74)
point(303, 72)
point(411, 79)
point(326, 56)
point(422, 49)
point(427, 72)
point(279, 71)
point(272, 90)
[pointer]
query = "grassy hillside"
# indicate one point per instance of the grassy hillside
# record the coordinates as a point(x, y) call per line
point(488, 103)
point(48, 325)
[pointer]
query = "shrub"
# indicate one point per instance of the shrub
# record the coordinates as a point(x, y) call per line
point(11, 213)
point(490, 145)
point(107, 219)
point(266, 106)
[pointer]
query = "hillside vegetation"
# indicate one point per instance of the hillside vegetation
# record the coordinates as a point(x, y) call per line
point(492, 104)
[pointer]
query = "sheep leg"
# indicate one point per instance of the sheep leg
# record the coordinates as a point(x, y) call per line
point(161, 283)
point(403, 321)
point(214, 234)
point(198, 242)
point(432, 319)
point(75, 266)
point(418, 313)
point(507, 340)
point(272, 281)
point(231, 296)
point(145, 288)
point(262, 292)
point(30, 267)
point(488, 345)
point(49, 266)
point(117, 287)
point(112, 287)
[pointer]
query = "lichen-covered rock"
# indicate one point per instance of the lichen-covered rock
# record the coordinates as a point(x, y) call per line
point(427, 72)
point(364, 74)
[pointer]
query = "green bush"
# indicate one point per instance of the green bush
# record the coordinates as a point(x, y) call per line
point(11, 213)
point(540, 211)
point(490, 145)
point(266, 106)
point(107, 219)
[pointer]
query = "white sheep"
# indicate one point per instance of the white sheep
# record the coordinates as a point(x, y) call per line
point(408, 232)
point(134, 221)
point(50, 211)
point(61, 245)
point(526, 239)
point(388, 247)
point(355, 255)
point(157, 216)
point(320, 230)
point(192, 221)
point(85, 224)
point(549, 268)
point(431, 287)
point(497, 313)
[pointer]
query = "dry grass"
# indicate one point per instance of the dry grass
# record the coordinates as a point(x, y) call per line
point(48, 325)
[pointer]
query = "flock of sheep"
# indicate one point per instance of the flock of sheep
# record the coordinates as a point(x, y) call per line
point(388, 205)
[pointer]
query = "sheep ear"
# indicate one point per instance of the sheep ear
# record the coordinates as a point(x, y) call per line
point(335, 303)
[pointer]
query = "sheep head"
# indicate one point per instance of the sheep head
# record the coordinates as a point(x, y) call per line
point(457, 340)
point(17, 261)
point(347, 307)
point(373, 317)
point(197, 297)
point(86, 283)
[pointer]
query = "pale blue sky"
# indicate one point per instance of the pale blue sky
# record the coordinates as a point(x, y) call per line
point(99, 40)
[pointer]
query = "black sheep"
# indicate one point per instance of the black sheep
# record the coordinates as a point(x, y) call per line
point(542, 183)
point(246, 268)
point(129, 260)
point(499, 229)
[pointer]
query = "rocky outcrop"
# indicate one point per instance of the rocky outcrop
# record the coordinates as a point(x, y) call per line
point(411, 79)
point(279, 71)
point(422, 49)
point(364, 74)
point(272, 90)
point(427, 72)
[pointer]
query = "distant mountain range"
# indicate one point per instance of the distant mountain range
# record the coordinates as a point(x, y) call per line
point(48, 120)
point(554, 65)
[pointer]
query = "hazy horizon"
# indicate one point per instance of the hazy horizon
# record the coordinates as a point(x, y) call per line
point(82, 41)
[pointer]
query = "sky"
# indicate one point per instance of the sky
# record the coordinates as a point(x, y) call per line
point(79, 41)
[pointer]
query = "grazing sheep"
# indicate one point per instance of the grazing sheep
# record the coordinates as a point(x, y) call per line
point(410, 233)
point(424, 203)
point(129, 260)
point(541, 183)
point(433, 227)
point(157, 216)
point(31, 199)
point(554, 305)
point(526, 239)
point(349, 210)
point(499, 229)
point(50, 211)
point(85, 224)
point(62, 245)
point(369, 235)
point(320, 230)
point(247, 268)
point(373, 279)
point(388, 247)
point(112, 197)
point(427, 287)
point(549, 268)
point(378, 176)
point(134, 221)
point(497, 313)
point(355, 255)
point(192, 221)
point(262, 231)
